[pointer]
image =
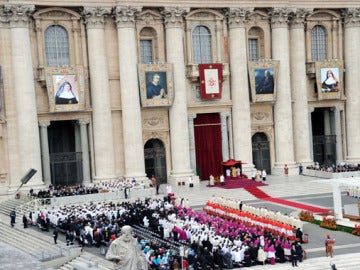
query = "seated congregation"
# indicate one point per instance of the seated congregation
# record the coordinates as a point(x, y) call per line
point(166, 229)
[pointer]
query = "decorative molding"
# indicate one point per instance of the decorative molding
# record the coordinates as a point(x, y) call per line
point(238, 17)
point(125, 16)
point(149, 18)
point(280, 17)
point(259, 116)
point(174, 16)
point(352, 17)
point(19, 15)
point(94, 17)
point(3, 16)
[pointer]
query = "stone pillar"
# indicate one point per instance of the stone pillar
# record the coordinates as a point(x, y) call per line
point(85, 150)
point(100, 94)
point(45, 152)
point(327, 125)
point(284, 145)
point(339, 146)
point(26, 113)
point(352, 82)
point(130, 99)
point(224, 136)
point(241, 122)
point(191, 118)
point(299, 89)
point(310, 110)
point(337, 200)
point(179, 135)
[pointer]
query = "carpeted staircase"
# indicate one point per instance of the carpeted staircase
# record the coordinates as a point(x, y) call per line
point(258, 193)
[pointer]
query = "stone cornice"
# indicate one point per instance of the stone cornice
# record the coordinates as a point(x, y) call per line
point(351, 17)
point(279, 17)
point(174, 16)
point(298, 17)
point(125, 16)
point(19, 15)
point(94, 17)
point(237, 17)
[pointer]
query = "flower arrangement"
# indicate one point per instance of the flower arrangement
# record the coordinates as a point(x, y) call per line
point(329, 223)
point(356, 231)
point(306, 216)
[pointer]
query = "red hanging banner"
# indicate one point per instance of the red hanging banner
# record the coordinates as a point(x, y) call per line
point(210, 80)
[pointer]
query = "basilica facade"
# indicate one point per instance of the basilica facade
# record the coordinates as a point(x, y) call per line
point(94, 91)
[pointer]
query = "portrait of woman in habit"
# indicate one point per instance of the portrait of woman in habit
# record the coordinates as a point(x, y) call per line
point(65, 94)
point(330, 83)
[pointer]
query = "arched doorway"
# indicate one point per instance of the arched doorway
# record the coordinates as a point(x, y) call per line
point(65, 158)
point(155, 160)
point(261, 152)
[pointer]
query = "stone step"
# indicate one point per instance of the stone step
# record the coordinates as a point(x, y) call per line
point(8, 205)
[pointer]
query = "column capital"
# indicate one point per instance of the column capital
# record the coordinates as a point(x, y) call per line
point(351, 17)
point(125, 16)
point(298, 16)
point(280, 17)
point(44, 123)
point(94, 17)
point(237, 17)
point(174, 16)
point(224, 115)
point(338, 109)
point(83, 121)
point(311, 109)
point(19, 15)
point(4, 19)
point(191, 117)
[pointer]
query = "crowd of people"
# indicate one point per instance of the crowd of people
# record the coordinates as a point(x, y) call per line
point(164, 226)
point(341, 167)
point(80, 189)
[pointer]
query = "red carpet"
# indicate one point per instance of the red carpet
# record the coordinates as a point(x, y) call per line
point(240, 183)
point(263, 196)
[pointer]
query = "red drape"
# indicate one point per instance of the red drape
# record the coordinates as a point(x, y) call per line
point(207, 128)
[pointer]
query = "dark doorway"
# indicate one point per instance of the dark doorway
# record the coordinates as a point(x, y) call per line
point(155, 160)
point(65, 162)
point(261, 152)
point(324, 140)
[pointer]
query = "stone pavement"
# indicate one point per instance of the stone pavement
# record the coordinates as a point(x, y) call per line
point(308, 190)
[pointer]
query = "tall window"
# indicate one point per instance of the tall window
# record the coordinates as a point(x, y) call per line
point(146, 54)
point(318, 43)
point(57, 46)
point(253, 49)
point(201, 45)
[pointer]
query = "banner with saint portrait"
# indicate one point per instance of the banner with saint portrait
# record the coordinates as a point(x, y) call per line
point(210, 80)
point(329, 79)
point(65, 86)
point(263, 76)
point(156, 85)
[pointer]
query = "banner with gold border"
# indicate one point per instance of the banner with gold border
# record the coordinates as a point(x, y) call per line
point(210, 80)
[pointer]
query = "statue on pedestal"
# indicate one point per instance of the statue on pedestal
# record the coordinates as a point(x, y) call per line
point(125, 251)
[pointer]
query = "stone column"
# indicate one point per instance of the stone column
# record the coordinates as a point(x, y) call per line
point(284, 145)
point(191, 118)
point(85, 150)
point(100, 94)
point(352, 82)
point(130, 99)
point(337, 200)
point(179, 134)
point(310, 110)
point(224, 136)
point(241, 123)
point(45, 152)
point(339, 147)
point(299, 89)
point(26, 113)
